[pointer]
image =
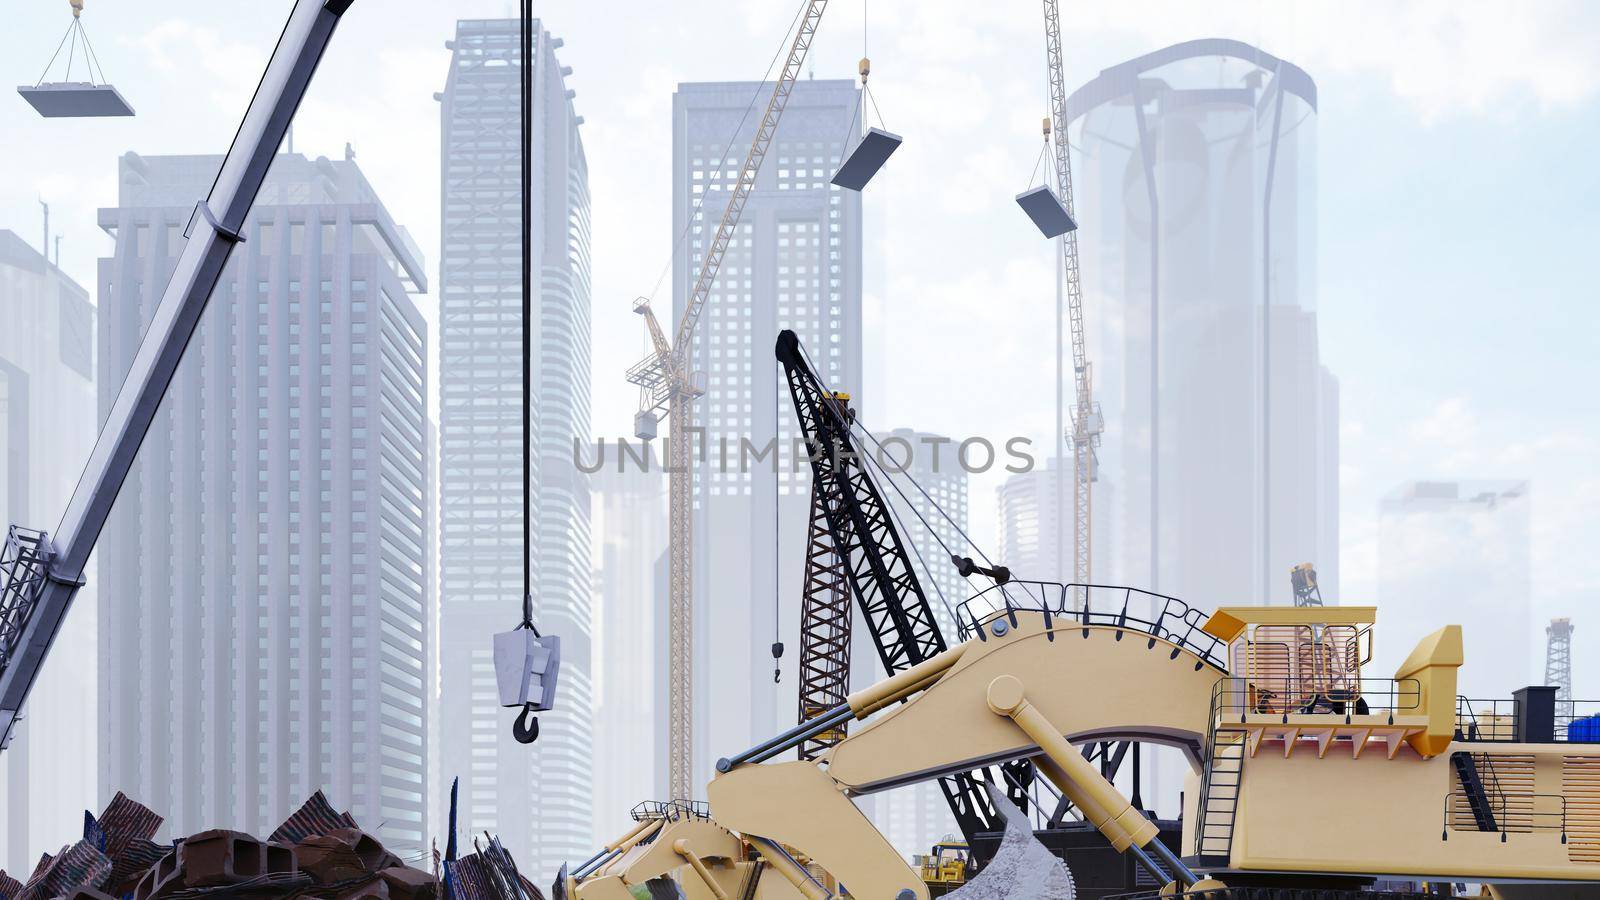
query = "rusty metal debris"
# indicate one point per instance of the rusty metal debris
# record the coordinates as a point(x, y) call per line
point(317, 854)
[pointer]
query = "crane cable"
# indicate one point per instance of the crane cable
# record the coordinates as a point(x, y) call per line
point(777, 601)
point(526, 728)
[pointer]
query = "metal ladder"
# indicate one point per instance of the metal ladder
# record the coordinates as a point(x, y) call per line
point(1219, 791)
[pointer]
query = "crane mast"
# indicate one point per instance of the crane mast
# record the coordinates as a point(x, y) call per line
point(666, 383)
point(1087, 424)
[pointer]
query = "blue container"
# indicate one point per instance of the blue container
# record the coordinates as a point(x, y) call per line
point(1585, 730)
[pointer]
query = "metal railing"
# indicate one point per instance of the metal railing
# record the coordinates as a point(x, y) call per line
point(1351, 696)
point(671, 810)
point(1576, 721)
point(1486, 720)
point(1275, 893)
point(1156, 615)
point(1514, 813)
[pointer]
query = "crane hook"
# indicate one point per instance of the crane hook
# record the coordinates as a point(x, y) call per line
point(526, 728)
point(777, 654)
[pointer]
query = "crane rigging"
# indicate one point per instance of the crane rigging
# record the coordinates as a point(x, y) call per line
point(668, 385)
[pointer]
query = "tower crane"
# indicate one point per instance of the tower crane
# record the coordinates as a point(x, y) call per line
point(1087, 421)
point(669, 386)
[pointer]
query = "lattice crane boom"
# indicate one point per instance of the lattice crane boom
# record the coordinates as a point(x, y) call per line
point(1086, 420)
point(665, 379)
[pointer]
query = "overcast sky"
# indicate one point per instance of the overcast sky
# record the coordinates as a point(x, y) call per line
point(1456, 236)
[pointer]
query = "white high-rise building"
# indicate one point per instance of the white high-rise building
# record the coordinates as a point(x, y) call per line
point(1457, 553)
point(630, 641)
point(537, 798)
point(1196, 181)
point(47, 428)
point(795, 263)
point(265, 575)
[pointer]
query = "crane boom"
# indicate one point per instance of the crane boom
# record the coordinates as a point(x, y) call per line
point(664, 379)
point(40, 575)
point(1085, 419)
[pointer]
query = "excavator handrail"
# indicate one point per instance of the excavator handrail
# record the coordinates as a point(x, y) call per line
point(1176, 622)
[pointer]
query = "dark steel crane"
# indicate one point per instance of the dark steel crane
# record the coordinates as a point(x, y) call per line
point(867, 547)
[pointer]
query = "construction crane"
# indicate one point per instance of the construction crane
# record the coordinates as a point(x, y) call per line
point(668, 385)
point(1303, 578)
point(40, 573)
point(1087, 422)
point(854, 545)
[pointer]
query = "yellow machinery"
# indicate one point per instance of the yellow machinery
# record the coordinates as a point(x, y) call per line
point(945, 866)
point(1304, 770)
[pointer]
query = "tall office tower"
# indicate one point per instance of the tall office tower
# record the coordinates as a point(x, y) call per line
point(795, 262)
point(47, 428)
point(1457, 552)
point(914, 817)
point(1197, 193)
point(538, 798)
point(630, 641)
point(264, 575)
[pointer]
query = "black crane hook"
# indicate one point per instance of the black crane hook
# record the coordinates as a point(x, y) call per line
point(777, 657)
point(526, 728)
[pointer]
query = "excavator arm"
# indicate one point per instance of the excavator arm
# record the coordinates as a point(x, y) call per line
point(1017, 691)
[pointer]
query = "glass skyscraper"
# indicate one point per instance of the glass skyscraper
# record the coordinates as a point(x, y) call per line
point(264, 577)
point(537, 798)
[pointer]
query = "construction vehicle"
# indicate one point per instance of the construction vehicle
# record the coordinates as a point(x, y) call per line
point(945, 865)
point(1307, 771)
point(40, 573)
point(669, 386)
point(1290, 788)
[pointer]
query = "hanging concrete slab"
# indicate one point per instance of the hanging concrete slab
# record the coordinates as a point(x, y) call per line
point(75, 100)
point(1046, 211)
point(866, 159)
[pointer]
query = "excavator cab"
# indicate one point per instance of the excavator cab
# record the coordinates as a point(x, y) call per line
point(1299, 660)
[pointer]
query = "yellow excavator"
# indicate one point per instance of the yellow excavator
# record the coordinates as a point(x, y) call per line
point(1310, 776)
point(1306, 773)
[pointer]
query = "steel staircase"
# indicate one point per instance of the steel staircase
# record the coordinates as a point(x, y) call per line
point(1219, 789)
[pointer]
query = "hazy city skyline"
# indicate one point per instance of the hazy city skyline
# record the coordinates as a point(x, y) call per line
point(1460, 354)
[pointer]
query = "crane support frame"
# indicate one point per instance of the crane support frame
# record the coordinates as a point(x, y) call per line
point(213, 230)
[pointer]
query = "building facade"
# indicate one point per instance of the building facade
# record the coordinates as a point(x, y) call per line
point(267, 634)
point(795, 262)
point(630, 641)
point(1458, 552)
point(47, 429)
point(1196, 184)
point(480, 428)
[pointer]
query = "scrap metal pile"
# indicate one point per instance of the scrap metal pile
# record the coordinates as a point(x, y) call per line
point(317, 853)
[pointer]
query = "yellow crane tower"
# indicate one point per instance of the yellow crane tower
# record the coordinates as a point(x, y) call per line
point(1087, 421)
point(668, 386)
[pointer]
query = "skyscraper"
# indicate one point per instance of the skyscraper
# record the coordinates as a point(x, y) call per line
point(503, 783)
point(914, 817)
point(630, 590)
point(265, 574)
point(794, 262)
point(1458, 552)
point(47, 428)
point(1196, 186)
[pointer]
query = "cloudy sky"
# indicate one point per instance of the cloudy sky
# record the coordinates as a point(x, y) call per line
point(1456, 239)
